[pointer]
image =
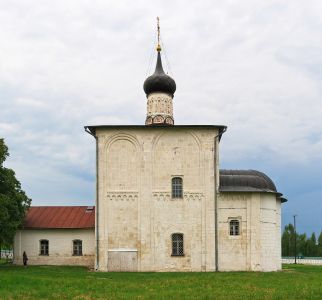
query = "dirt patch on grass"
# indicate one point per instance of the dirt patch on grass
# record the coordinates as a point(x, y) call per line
point(288, 271)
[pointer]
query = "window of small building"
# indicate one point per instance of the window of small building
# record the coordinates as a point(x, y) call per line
point(234, 227)
point(177, 187)
point(177, 244)
point(44, 247)
point(77, 247)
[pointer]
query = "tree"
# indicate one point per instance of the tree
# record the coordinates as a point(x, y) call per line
point(13, 200)
point(320, 245)
point(288, 241)
point(302, 248)
point(311, 246)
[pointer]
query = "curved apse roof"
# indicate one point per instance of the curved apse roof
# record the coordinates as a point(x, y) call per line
point(247, 181)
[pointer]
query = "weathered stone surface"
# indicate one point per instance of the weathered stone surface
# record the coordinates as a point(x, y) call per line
point(139, 165)
point(258, 247)
point(138, 215)
point(159, 109)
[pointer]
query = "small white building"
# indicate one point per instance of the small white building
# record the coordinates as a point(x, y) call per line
point(163, 204)
point(57, 235)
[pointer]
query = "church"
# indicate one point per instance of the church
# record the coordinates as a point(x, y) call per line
point(162, 203)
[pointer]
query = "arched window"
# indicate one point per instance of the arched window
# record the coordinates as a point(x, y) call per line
point(77, 247)
point(177, 187)
point(234, 227)
point(44, 247)
point(177, 244)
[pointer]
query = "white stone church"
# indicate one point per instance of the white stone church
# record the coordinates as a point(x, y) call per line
point(162, 203)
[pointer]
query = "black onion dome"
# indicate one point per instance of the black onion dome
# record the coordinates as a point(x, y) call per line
point(159, 81)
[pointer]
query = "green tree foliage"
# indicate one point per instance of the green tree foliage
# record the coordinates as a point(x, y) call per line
point(13, 200)
point(301, 245)
point(320, 244)
point(288, 241)
point(312, 246)
point(308, 247)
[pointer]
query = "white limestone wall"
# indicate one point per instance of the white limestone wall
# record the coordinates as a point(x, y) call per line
point(232, 251)
point(278, 235)
point(258, 247)
point(270, 241)
point(136, 212)
point(60, 246)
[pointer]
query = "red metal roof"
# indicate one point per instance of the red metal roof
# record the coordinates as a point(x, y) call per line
point(60, 217)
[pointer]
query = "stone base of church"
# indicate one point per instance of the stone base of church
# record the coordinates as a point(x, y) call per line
point(87, 261)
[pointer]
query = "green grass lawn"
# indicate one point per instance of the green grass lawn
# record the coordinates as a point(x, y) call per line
point(44, 282)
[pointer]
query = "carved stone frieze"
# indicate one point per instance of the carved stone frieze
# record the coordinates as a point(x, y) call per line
point(122, 196)
point(161, 103)
point(187, 196)
point(159, 109)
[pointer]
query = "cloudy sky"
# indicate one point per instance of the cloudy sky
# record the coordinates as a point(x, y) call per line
point(255, 66)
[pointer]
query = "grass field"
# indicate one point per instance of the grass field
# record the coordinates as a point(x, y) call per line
point(44, 282)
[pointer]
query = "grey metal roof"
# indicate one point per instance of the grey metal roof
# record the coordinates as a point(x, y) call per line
point(247, 181)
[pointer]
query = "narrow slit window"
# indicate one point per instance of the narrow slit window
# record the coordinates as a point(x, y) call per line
point(177, 187)
point(177, 244)
point(77, 247)
point(234, 227)
point(44, 247)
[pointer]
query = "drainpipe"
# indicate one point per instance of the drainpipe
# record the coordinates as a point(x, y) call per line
point(96, 202)
point(216, 191)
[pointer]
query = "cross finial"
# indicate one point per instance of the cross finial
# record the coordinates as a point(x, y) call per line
point(158, 28)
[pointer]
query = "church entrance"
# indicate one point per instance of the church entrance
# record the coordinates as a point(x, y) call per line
point(122, 261)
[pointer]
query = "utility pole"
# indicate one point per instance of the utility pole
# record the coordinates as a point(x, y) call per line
point(295, 238)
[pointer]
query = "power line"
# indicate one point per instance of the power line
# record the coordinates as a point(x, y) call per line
point(150, 59)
